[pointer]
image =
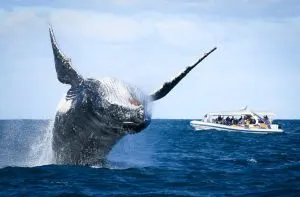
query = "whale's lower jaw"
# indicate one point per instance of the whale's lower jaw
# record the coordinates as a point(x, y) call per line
point(83, 138)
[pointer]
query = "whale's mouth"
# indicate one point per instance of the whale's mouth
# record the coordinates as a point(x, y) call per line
point(133, 127)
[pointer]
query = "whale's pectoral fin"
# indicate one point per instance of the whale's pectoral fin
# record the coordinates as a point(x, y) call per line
point(65, 72)
point(169, 85)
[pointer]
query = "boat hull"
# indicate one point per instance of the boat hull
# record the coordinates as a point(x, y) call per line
point(200, 125)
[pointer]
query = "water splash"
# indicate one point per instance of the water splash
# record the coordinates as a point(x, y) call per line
point(41, 152)
point(25, 143)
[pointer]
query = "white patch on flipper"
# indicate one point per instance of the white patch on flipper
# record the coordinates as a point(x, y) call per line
point(64, 105)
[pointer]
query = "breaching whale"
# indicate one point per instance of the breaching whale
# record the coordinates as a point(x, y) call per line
point(95, 114)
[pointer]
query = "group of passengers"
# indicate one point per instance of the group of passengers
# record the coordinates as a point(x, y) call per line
point(243, 120)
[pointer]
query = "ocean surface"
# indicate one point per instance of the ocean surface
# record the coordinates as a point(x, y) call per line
point(168, 159)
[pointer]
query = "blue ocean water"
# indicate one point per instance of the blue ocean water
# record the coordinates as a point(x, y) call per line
point(168, 159)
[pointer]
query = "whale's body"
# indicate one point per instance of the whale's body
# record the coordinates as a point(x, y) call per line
point(96, 114)
point(83, 134)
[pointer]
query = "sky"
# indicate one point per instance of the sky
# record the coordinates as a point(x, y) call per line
point(148, 42)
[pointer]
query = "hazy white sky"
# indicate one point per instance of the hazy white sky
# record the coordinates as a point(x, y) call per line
point(148, 42)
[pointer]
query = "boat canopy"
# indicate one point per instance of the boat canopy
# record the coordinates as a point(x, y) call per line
point(239, 113)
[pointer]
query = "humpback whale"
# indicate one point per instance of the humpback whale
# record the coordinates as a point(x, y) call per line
point(95, 114)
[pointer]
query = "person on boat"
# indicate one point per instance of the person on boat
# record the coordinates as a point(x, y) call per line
point(252, 121)
point(219, 120)
point(232, 120)
point(214, 120)
point(247, 121)
point(266, 119)
point(206, 119)
point(223, 120)
point(256, 123)
point(241, 121)
point(227, 121)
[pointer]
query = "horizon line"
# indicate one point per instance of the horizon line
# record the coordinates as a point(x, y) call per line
point(43, 119)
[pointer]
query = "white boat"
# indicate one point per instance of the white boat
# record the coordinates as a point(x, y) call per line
point(240, 121)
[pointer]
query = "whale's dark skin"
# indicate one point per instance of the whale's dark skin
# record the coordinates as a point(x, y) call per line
point(96, 114)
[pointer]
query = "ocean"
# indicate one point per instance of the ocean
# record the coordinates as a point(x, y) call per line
point(169, 158)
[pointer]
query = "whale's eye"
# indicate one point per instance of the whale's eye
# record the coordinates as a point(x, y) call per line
point(134, 102)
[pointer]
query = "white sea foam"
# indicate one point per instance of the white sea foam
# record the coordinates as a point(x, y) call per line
point(252, 160)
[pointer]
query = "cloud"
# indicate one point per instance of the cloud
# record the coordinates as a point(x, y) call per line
point(255, 56)
point(179, 30)
point(104, 26)
point(124, 2)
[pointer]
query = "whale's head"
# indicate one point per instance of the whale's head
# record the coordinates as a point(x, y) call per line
point(118, 105)
point(121, 107)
